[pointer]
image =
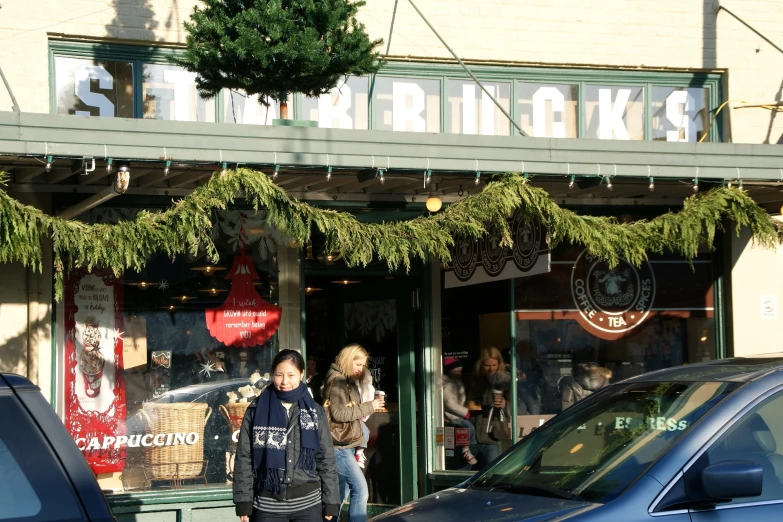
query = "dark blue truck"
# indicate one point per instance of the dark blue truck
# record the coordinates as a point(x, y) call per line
point(43, 476)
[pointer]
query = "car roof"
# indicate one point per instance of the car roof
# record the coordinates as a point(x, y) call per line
point(735, 369)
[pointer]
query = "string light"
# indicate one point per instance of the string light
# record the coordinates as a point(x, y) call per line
point(167, 168)
point(277, 170)
point(381, 178)
point(572, 182)
point(109, 167)
point(328, 173)
point(478, 179)
point(428, 176)
point(223, 168)
point(652, 183)
point(48, 163)
point(695, 185)
point(739, 184)
point(609, 185)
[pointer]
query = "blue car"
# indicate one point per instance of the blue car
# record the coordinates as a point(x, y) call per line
point(695, 443)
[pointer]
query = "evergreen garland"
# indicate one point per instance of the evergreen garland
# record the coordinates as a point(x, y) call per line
point(186, 227)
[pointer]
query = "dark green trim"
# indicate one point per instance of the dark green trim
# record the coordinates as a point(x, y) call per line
point(406, 371)
point(721, 291)
point(512, 329)
point(124, 502)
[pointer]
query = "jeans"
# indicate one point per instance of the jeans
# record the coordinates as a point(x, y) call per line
point(352, 484)
point(486, 453)
point(313, 514)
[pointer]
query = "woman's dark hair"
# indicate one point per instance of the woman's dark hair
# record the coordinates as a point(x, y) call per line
point(289, 355)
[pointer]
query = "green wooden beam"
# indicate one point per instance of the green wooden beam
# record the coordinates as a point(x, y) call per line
point(27, 134)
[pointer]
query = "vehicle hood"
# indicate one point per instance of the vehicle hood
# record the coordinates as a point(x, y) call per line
point(468, 505)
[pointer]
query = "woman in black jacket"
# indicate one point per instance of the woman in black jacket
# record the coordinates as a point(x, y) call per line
point(285, 468)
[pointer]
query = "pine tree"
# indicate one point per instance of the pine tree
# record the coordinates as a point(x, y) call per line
point(277, 47)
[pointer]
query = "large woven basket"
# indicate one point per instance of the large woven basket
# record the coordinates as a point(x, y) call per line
point(181, 461)
point(234, 412)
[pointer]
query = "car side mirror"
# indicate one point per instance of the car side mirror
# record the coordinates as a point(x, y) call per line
point(732, 479)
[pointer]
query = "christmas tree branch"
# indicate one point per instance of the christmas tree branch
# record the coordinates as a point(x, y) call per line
point(186, 227)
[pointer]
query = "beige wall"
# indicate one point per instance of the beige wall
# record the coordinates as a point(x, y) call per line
point(665, 34)
point(755, 272)
point(25, 315)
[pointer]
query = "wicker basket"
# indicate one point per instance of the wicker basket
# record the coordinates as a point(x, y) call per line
point(181, 461)
point(234, 412)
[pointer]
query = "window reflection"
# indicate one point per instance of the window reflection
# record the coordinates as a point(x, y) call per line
point(169, 93)
point(679, 114)
point(546, 110)
point(614, 113)
point(91, 87)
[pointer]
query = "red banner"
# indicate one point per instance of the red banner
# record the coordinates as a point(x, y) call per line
point(94, 385)
point(244, 319)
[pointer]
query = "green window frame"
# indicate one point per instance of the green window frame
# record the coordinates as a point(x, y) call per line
point(443, 73)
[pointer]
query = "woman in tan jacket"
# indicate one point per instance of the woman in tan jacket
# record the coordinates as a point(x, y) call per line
point(345, 404)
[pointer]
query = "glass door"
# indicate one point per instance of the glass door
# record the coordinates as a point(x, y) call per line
point(376, 312)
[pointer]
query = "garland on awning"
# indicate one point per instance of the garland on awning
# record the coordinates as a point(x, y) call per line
point(186, 227)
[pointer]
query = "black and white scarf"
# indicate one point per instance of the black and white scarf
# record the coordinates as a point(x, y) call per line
point(269, 435)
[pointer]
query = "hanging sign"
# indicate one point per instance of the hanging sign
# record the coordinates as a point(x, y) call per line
point(94, 385)
point(611, 301)
point(244, 319)
point(474, 262)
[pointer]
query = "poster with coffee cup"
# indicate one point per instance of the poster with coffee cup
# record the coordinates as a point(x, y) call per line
point(94, 385)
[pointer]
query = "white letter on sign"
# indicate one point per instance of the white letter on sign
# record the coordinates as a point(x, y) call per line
point(403, 112)
point(610, 118)
point(183, 81)
point(334, 106)
point(93, 99)
point(469, 110)
point(678, 104)
point(539, 112)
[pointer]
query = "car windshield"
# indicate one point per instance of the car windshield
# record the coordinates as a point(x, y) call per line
point(596, 449)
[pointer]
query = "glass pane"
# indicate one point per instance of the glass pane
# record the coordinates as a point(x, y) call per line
point(471, 111)
point(169, 93)
point(197, 343)
point(238, 107)
point(90, 87)
point(406, 104)
point(16, 494)
point(757, 437)
point(345, 107)
point(475, 339)
point(596, 451)
point(614, 113)
point(679, 114)
point(583, 325)
point(547, 111)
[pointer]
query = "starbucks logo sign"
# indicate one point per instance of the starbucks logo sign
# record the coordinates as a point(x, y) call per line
point(493, 256)
point(464, 258)
point(611, 301)
point(527, 240)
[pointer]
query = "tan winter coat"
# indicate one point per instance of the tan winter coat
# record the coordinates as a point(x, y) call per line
point(345, 401)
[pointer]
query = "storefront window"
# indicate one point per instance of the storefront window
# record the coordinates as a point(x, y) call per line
point(238, 107)
point(679, 114)
point(614, 113)
point(91, 87)
point(407, 104)
point(577, 327)
point(345, 107)
point(161, 365)
point(472, 111)
point(547, 111)
point(169, 93)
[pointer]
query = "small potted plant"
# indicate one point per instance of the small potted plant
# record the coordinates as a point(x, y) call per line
point(273, 48)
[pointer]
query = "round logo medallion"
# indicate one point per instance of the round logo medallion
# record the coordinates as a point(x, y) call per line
point(464, 257)
point(493, 256)
point(526, 233)
point(611, 302)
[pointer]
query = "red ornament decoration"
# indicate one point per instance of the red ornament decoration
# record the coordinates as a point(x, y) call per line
point(244, 319)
